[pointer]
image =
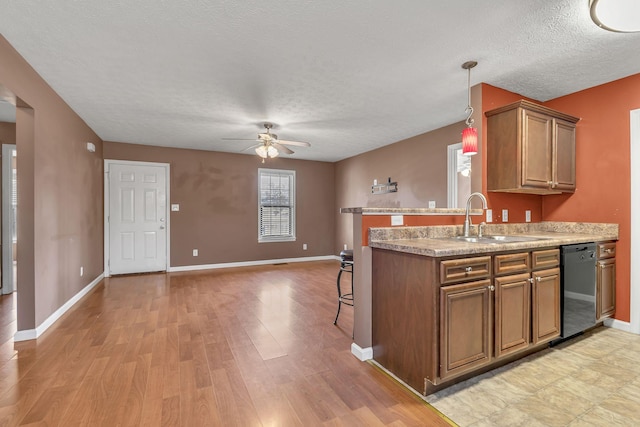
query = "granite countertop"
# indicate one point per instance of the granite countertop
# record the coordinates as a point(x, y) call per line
point(435, 241)
point(409, 211)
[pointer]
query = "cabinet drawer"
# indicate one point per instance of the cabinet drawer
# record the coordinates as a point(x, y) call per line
point(545, 259)
point(458, 270)
point(511, 263)
point(606, 250)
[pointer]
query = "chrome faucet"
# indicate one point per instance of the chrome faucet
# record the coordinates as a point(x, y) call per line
point(467, 220)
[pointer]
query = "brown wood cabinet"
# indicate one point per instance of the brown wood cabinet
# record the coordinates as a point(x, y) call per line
point(546, 305)
point(466, 325)
point(512, 313)
point(530, 149)
point(437, 319)
point(605, 280)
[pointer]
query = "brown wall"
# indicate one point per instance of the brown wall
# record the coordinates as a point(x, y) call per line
point(418, 164)
point(7, 133)
point(218, 198)
point(59, 195)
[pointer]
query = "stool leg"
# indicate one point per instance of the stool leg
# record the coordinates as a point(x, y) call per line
point(339, 296)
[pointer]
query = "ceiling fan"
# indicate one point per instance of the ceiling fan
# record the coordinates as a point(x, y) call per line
point(269, 146)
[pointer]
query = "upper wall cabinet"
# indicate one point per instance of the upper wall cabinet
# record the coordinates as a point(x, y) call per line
point(530, 149)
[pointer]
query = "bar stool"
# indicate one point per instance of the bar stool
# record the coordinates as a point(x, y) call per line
point(346, 266)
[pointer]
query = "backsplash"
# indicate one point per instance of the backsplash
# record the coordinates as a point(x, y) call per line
point(438, 231)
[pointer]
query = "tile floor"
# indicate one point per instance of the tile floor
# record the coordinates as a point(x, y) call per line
point(592, 380)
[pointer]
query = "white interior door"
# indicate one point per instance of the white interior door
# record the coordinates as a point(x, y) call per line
point(137, 218)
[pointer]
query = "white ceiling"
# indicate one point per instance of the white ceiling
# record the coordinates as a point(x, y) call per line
point(346, 76)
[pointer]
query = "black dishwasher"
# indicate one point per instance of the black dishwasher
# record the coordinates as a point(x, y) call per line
point(578, 281)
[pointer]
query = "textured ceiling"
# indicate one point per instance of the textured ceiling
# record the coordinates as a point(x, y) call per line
point(346, 76)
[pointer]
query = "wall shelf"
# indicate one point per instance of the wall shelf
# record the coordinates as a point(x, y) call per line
point(387, 187)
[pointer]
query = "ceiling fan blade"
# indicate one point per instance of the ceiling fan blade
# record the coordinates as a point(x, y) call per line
point(296, 143)
point(282, 148)
point(251, 147)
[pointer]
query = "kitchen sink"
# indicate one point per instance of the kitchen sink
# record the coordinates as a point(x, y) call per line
point(495, 239)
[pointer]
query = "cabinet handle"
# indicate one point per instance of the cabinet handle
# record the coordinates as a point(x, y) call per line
point(468, 269)
point(554, 185)
point(607, 251)
point(491, 288)
point(539, 279)
point(530, 279)
point(550, 184)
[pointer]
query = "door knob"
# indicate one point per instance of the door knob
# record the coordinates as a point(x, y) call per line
point(162, 227)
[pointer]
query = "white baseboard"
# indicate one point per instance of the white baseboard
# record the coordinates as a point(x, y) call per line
point(250, 263)
point(362, 354)
point(26, 335)
point(619, 324)
point(31, 334)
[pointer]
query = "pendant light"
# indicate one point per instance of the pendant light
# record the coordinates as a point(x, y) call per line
point(470, 134)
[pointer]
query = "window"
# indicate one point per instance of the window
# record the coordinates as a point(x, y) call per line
point(276, 205)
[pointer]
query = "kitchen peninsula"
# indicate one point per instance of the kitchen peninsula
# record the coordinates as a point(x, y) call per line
point(444, 309)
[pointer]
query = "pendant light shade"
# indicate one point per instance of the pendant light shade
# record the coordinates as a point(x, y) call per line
point(470, 141)
point(470, 134)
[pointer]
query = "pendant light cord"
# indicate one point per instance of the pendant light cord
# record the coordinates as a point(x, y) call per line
point(469, 109)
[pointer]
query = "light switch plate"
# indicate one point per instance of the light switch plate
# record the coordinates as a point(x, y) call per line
point(432, 204)
point(527, 216)
point(397, 219)
point(505, 215)
point(175, 208)
point(488, 215)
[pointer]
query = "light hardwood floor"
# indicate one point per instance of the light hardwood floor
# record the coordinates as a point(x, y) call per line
point(232, 347)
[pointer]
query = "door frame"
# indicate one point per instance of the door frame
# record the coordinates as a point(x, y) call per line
point(107, 165)
point(7, 219)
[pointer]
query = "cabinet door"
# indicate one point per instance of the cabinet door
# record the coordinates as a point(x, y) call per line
point(564, 156)
point(605, 288)
point(466, 320)
point(546, 305)
point(536, 149)
point(512, 313)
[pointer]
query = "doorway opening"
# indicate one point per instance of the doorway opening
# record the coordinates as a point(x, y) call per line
point(9, 219)
point(458, 176)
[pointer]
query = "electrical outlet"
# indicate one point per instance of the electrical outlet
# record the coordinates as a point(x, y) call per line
point(81, 271)
point(304, 246)
point(432, 204)
point(195, 252)
point(527, 216)
point(175, 207)
point(488, 215)
point(505, 215)
point(345, 246)
point(397, 219)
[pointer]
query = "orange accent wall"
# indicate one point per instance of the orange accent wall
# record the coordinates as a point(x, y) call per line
point(517, 204)
point(603, 169)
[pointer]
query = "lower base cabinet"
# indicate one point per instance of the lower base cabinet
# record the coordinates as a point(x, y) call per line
point(606, 280)
point(466, 326)
point(438, 319)
point(546, 305)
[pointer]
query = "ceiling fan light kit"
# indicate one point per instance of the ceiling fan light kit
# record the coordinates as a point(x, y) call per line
point(269, 146)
